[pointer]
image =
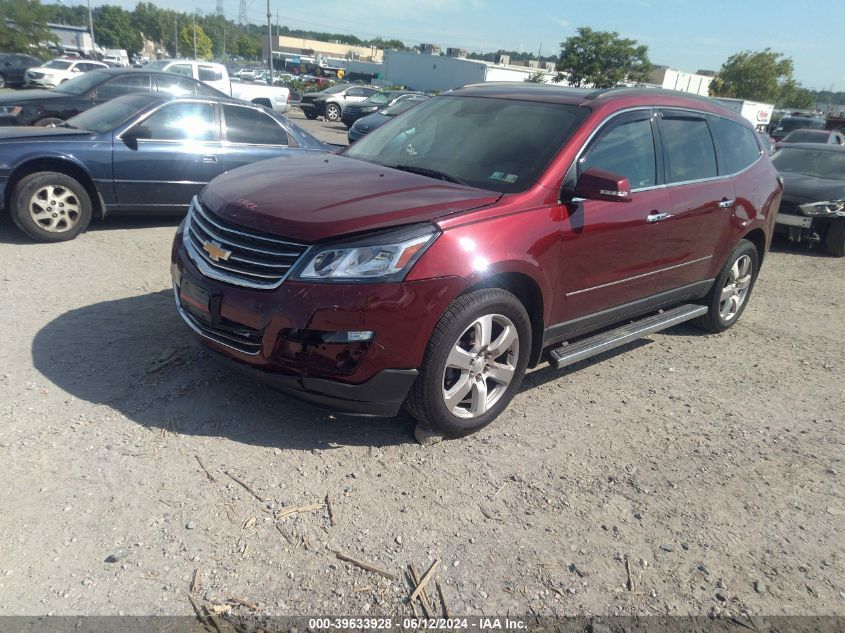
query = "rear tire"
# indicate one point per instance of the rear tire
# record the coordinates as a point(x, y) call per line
point(333, 112)
point(834, 240)
point(731, 290)
point(51, 207)
point(474, 363)
point(310, 115)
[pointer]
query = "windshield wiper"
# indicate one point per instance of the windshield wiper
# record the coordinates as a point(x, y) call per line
point(67, 125)
point(425, 171)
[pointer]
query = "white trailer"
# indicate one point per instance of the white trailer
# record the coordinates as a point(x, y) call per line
point(760, 114)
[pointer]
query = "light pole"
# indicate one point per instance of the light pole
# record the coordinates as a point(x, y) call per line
point(270, 42)
point(91, 30)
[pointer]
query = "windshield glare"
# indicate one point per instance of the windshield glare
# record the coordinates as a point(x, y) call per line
point(334, 89)
point(380, 98)
point(109, 115)
point(58, 64)
point(806, 136)
point(401, 106)
point(83, 83)
point(497, 144)
point(811, 162)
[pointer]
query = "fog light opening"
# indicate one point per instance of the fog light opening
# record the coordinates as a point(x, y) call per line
point(363, 336)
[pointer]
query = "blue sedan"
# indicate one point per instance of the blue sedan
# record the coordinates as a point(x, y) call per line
point(138, 153)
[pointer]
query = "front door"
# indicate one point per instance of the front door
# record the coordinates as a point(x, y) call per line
point(251, 135)
point(613, 253)
point(162, 161)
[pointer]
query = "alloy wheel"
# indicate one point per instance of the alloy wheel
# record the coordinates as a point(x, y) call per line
point(736, 288)
point(480, 366)
point(54, 208)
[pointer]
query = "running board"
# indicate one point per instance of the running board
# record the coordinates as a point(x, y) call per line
point(567, 354)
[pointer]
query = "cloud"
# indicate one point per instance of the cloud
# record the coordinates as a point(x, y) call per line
point(561, 22)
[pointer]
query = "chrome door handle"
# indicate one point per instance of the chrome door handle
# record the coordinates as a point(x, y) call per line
point(724, 203)
point(209, 158)
point(657, 217)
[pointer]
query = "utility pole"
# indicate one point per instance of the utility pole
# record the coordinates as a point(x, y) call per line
point(277, 24)
point(224, 43)
point(91, 30)
point(176, 36)
point(195, 35)
point(270, 41)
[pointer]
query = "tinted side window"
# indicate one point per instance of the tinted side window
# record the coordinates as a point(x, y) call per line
point(181, 69)
point(209, 73)
point(738, 145)
point(687, 148)
point(178, 86)
point(182, 122)
point(355, 92)
point(626, 149)
point(122, 86)
point(369, 92)
point(245, 125)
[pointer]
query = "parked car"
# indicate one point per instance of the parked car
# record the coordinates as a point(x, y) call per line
point(58, 71)
point(813, 207)
point(766, 141)
point(372, 121)
point(216, 76)
point(50, 107)
point(813, 136)
point(331, 101)
point(789, 123)
point(139, 153)
point(116, 58)
point(12, 68)
point(376, 102)
point(482, 232)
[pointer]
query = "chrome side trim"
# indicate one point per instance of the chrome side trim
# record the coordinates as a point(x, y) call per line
point(627, 279)
point(196, 328)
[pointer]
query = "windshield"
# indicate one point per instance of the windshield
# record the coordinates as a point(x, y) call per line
point(401, 106)
point(380, 98)
point(497, 144)
point(158, 64)
point(109, 115)
point(806, 136)
point(788, 124)
point(335, 89)
point(83, 83)
point(58, 64)
point(829, 165)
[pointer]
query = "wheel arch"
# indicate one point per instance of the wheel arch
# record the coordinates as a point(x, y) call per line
point(526, 289)
point(59, 165)
point(758, 238)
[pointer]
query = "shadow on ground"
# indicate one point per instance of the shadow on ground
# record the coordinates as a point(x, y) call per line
point(10, 234)
point(136, 356)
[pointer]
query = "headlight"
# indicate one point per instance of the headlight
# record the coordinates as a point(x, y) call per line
point(10, 110)
point(384, 257)
point(826, 207)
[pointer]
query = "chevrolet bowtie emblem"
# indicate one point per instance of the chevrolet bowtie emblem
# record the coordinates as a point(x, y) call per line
point(216, 252)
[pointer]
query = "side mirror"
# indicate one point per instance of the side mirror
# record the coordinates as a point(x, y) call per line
point(598, 184)
point(75, 70)
point(137, 132)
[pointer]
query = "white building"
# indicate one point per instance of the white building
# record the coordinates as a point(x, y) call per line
point(671, 79)
point(442, 73)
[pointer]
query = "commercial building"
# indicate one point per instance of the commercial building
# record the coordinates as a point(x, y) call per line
point(671, 79)
point(296, 46)
point(75, 39)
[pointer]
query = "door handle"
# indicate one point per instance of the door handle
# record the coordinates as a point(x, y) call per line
point(209, 158)
point(724, 203)
point(657, 217)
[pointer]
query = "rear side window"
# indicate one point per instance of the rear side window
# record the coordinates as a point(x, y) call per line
point(627, 149)
point(688, 150)
point(245, 125)
point(177, 86)
point(181, 69)
point(209, 73)
point(182, 122)
point(738, 145)
point(122, 86)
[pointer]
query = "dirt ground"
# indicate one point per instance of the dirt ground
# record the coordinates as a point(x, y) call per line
point(686, 474)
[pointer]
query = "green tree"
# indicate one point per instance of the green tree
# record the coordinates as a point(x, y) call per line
point(601, 59)
point(756, 76)
point(23, 27)
point(186, 42)
point(113, 29)
point(794, 95)
point(537, 77)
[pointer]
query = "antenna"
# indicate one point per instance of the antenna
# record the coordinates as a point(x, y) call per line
point(242, 19)
point(220, 10)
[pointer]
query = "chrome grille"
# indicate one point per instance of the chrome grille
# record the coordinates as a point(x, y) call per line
point(235, 336)
point(257, 260)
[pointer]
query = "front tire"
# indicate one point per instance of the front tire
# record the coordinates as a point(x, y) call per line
point(310, 115)
point(474, 363)
point(51, 207)
point(332, 112)
point(834, 240)
point(731, 290)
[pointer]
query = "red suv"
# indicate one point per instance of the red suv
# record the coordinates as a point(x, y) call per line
point(476, 235)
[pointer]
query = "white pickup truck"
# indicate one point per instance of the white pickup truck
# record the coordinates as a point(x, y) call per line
point(215, 75)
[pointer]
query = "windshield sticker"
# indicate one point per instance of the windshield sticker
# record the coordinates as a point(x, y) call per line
point(510, 178)
point(497, 175)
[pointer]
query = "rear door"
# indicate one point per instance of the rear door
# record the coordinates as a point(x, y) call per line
point(701, 200)
point(613, 252)
point(178, 154)
point(251, 135)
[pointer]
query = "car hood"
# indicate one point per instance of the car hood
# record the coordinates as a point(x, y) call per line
point(313, 198)
point(801, 188)
point(19, 97)
point(23, 133)
point(371, 121)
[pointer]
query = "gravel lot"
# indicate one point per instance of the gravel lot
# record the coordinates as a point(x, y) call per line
point(710, 467)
